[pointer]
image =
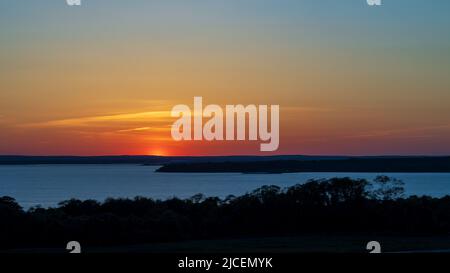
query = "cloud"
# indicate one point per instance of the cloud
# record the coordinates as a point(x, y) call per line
point(117, 119)
point(145, 129)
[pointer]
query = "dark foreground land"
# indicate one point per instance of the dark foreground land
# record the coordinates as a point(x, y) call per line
point(310, 243)
point(335, 215)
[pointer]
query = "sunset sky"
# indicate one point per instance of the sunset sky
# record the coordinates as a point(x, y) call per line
point(101, 79)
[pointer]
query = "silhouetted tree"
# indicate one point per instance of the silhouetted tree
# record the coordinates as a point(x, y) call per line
point(328, 205)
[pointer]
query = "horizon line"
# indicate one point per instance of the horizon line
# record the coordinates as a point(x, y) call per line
point(247, 155)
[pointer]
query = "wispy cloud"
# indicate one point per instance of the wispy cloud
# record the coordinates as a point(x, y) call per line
point(145, 129)
point(141, 117)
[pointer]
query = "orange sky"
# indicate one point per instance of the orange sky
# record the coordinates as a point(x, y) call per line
point(102, 79)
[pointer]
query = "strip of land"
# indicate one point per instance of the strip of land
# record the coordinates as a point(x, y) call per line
point(357, 164)
point(254, 164)
point(148, 159)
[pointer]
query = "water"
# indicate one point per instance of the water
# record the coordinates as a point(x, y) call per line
point(47, 185)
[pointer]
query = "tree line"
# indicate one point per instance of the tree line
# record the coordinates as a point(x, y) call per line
point(331, 206)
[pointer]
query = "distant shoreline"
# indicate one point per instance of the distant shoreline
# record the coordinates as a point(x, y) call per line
point(148, 159)
point(254, 164)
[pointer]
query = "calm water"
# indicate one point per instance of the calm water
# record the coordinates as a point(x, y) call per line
point(47, 185)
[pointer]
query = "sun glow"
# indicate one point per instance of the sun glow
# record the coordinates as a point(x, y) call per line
point(158, 152)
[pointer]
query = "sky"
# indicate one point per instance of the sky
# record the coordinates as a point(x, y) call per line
point(102, 78)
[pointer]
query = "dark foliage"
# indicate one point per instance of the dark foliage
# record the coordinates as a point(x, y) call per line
point(331, 206)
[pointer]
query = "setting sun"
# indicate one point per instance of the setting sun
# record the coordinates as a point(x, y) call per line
point(158, 152)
